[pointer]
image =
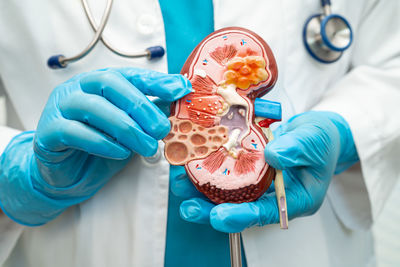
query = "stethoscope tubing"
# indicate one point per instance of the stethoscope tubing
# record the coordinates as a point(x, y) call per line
point(98, 32)
point(104, 40)
point(60, 61)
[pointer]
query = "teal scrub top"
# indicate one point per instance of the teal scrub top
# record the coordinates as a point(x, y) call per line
point(188, 244)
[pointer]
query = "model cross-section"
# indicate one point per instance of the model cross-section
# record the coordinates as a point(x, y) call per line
point(213, 132)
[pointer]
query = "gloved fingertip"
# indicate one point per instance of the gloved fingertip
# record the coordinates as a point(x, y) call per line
point(272, 157)
point(114, 151)
point(124, 153)
point(149, 150)
point(195, 210)
point(232, 218)
point(182, 187)
point(165, 128)
point(187, 84)
point(189, 212)
point(164, 106)
point(183, 89)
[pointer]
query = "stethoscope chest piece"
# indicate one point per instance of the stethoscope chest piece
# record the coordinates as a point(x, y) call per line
point(326, 36)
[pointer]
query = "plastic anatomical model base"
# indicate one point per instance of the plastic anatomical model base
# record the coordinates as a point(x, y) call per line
point(213, 130)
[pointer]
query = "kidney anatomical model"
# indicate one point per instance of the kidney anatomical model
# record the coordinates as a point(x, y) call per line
point(213, 132)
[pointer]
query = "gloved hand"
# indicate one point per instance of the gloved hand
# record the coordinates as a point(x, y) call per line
point(89, 129)
point(309, 148)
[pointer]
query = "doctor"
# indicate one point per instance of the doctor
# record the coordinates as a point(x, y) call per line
point(92, 175)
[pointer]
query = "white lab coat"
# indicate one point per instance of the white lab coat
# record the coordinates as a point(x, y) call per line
point(124, 224)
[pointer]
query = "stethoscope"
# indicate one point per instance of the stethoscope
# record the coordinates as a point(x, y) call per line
point(326, 36)
point(60, 61)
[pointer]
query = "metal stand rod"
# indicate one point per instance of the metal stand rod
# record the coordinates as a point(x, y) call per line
point(235, 248)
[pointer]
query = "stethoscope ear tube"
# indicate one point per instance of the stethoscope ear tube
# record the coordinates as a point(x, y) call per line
point(55, 62)
point(155, 52)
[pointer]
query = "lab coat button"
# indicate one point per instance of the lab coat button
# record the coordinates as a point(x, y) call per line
point(146, 24)
point(155, 158)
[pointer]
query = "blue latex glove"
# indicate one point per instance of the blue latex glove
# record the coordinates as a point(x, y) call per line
point(310, 148)
point(88, 131)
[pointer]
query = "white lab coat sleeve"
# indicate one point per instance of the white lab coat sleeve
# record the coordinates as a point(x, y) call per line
point(9, 234)
point(6, 134)
point(9, 230)
point(368, 97)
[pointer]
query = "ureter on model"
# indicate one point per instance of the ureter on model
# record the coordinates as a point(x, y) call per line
point(233, 138)
point(231, 98)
